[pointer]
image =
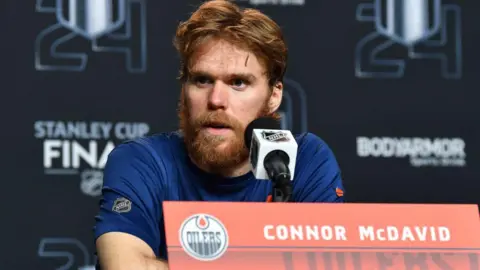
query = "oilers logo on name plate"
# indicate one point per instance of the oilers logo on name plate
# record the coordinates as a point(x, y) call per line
point(204, 237)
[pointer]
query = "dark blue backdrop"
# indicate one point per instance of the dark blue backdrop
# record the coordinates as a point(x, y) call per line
point(399, 109)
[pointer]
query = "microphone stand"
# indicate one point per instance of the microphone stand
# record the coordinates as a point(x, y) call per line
point(282, 190)
point(279, 174)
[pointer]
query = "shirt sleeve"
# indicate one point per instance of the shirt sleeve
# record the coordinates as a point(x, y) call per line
point(317, 175)
point(131, 196)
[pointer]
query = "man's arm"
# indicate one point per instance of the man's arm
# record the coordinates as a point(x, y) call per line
point(127, 227)
point(117, 251)
point(317, 174)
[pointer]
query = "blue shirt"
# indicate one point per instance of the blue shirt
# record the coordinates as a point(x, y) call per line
point(141, 174)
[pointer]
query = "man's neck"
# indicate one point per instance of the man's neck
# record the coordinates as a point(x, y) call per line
point(241, 169)
point(238, 170)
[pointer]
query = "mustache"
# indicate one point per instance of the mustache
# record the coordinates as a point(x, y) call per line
point(216, 119)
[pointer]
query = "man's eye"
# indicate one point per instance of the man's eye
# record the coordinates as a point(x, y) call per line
point(202, 80)
point(239, 83)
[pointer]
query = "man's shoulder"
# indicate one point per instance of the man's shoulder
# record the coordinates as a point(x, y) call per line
point(156, 151)
point(158, 145)
point(312, 146)
point(308, 140)
point(152, 156)
point(317, 173)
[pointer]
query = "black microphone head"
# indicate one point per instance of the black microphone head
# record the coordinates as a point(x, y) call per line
point(260, 123)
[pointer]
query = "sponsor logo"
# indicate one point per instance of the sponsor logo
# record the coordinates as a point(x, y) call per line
point(275, 136)
point(81, 148)
point(422, 152)
point(203, 237)
point(428, 29)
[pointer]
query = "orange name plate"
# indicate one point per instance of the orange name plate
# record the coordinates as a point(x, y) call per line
point(308, 236)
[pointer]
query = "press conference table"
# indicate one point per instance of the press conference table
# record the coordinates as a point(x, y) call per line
point(273, 236)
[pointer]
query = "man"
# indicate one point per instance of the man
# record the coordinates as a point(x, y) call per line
point(233, 62)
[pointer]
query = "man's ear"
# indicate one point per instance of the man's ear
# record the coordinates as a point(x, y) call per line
point(276, 97)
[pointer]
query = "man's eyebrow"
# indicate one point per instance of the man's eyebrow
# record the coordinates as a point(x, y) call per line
point(192, 74)
point(240, 75)
point(244, 75)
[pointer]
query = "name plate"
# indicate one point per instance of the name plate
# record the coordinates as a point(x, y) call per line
point(308, 236)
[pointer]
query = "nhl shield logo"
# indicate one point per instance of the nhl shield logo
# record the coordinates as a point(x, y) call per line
point(275, 136)
point(203, 237)
point(91, 18)
point(91, 183)
point(408, 21)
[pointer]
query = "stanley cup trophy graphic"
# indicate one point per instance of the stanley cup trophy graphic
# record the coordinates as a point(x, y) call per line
point(429, 29)
point(91, 18)
point(114, 26)
point(408, 21)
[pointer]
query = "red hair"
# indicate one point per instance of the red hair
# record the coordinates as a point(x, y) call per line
point(247, 28)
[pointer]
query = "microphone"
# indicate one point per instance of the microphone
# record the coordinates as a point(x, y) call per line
point(273, 154)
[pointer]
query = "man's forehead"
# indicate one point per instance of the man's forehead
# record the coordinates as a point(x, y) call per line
point(223, 57)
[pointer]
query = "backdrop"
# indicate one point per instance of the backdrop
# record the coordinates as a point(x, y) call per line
point(389, 85)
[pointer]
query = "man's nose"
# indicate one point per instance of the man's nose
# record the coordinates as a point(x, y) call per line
point(218, 98)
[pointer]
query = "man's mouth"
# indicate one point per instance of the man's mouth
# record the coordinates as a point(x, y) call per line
point(217, 125)
point(217, 128)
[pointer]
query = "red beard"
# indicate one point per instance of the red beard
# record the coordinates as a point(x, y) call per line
point(203, 147)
